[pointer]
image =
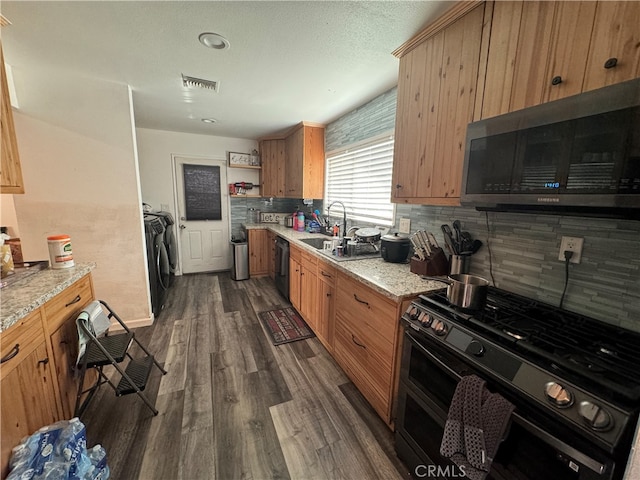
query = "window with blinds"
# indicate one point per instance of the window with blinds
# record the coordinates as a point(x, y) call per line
point(360, 177)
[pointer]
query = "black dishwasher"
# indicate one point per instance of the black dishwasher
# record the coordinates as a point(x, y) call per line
point(282, 266)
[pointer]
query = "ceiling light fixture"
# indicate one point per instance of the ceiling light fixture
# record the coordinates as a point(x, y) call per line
point(209, 120)
point(213, 40)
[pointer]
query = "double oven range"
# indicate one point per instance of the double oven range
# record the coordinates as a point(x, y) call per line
point(574, 382)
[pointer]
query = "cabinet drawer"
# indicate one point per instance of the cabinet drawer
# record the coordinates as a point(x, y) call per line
point(23, 338)
point(326, 273)
point(294, 253)
point(68, 303)
point(364, 365)
point(309, 261)
point(372, 311)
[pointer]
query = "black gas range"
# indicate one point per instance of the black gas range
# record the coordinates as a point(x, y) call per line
point(575, 382)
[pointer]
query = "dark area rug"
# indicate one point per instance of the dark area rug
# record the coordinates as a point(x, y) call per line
point(285, 325)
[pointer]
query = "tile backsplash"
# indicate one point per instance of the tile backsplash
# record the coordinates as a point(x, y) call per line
point(524, 257)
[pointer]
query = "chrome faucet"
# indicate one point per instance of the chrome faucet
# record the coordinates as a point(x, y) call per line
point(344, 216)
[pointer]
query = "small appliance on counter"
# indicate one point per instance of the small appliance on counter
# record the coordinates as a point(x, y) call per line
point(395, 247)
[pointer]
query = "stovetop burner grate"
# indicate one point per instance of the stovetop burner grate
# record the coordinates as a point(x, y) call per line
point(600, 354)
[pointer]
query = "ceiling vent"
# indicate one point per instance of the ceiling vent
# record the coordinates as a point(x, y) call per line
point(192, 82)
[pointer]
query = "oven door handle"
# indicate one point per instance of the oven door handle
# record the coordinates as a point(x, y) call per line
point(559, 445)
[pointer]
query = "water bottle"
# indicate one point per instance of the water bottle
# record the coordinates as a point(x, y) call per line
point(300, 226)
point(56, 470)
point(73, 447)
point(21, 457)
point(98, 456)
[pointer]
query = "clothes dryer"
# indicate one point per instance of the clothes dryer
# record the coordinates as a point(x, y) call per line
point(158, 262)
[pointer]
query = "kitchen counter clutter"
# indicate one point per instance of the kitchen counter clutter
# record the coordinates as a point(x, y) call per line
point(23, 297)
point(393, 280)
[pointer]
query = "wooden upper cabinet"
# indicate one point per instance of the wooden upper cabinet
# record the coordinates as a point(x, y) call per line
point(436, 98)
point(304, 160)
point(294, 150)
point(544, 51)
point(273, 168)
point(616, 35)
point(11, 173)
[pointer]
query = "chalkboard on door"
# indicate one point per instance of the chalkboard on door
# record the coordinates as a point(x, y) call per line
point(202, 197)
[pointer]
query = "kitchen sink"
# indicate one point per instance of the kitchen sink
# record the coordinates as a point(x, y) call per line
point(318, 243)
point(314, 242)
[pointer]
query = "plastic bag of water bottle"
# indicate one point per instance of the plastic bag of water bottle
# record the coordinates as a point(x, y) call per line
point(58, 452)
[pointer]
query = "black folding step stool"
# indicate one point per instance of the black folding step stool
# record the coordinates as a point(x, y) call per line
point(101, 351)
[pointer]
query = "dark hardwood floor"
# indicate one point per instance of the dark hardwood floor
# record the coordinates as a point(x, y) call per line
point(232, 405)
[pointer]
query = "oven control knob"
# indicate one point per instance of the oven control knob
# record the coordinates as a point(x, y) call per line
point(595, 416)
point(558, 395)
point(425, 319)
point(475, 348)
point(414, 313)
point(439, 327)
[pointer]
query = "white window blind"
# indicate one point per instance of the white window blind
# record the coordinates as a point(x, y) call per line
point(360, 177)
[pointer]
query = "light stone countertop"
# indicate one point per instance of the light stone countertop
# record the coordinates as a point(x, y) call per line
point(25, 296)
point(393, 280)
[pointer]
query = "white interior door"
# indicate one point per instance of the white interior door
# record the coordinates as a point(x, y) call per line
point(203, 214)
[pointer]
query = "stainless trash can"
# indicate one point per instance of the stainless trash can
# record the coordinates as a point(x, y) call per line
point(240, 252)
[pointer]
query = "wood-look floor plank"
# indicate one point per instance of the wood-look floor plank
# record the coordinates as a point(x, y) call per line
point(162, 452)
point(230, 435)
point(306, 409)
point(197, 459)
point(354, 432)
point(176, 362)
point(264, 450)
point(198, 402)
point(296, 442)
point(380, 430)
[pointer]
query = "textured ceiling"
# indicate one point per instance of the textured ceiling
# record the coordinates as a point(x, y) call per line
point(288, 61)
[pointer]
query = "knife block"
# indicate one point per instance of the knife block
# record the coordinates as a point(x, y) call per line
point(435, 265)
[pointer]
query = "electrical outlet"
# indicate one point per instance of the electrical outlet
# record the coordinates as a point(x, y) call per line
point(405, 225)
point(573, 244)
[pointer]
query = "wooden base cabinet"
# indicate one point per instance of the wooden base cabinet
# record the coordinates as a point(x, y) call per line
point(27, 384)
point(303, 285)
point(326, 304)
point(295, 275)
point(38, 382)
point(271, 242)
point(259, 252)
point(366, 331)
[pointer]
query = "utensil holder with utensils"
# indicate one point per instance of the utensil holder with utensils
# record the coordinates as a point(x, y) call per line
point(434, 265)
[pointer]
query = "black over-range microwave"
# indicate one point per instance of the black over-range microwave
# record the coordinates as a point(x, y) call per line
point(578, 155)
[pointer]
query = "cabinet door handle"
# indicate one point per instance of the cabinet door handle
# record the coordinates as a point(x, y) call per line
point(398, 185)
point(361, 301)
point(556, 80)
point(325, 274)
point(14, 351)
point(353, 339)
point(44, 361)
point(610, 63)
point(75, 300)
point(328, 294)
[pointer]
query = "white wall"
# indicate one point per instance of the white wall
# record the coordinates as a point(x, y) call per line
point(79, 166)
point(8, 216)
point(155, 150)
